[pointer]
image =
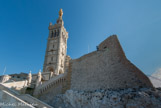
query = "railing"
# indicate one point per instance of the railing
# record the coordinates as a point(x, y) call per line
point(49, 84)
point(34, 101)
point(14, 95)
point(29, 100)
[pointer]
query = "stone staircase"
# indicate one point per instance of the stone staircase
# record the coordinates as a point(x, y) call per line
point(24, 99)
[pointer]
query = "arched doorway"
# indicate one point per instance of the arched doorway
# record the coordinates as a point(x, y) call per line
point(43, 79)
point(60, 71)
point(50, 69)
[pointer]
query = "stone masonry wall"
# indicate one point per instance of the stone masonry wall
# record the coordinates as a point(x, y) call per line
point(106, 68)
point(50, 93)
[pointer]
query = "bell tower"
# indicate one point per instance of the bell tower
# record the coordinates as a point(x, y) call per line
point(56, 47)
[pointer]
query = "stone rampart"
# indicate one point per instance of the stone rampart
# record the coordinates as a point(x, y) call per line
point(54, 85)
point(106, 68)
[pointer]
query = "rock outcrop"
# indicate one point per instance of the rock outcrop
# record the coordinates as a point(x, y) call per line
point(120, 98)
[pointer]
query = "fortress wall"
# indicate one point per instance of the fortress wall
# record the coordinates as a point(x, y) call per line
point(112, 43)
point(106, 68)
point(50, 93)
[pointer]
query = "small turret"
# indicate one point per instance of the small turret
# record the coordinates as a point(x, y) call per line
point(29, 78)
point(38, 82)
point(5, 78)
point(50, 24)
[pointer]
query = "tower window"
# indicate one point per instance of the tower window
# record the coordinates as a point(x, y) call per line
point(63, 34)
point(55, 34)
point(52, 34)
point(58, 33)
point(53, 46)
point(60, 71)
point(51, 58)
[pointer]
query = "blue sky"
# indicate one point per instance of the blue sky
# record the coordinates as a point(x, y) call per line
point(24, 30)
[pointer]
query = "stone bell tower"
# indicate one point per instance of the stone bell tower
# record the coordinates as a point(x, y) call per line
point(56, 47)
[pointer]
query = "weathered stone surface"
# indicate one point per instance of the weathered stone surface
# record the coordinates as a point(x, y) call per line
point(50, 93)
point(121, 98)
point(106, 68)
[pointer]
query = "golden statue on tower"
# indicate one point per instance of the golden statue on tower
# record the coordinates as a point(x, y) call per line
point(61, 13)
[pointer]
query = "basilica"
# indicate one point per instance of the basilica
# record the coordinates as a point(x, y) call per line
point(63, 77)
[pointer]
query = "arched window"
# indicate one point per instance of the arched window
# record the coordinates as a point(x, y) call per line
point(58, 33)
point(55, 34)
point(51, 58)
point(52, 34)
point(60, 71)
point(50, 69)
